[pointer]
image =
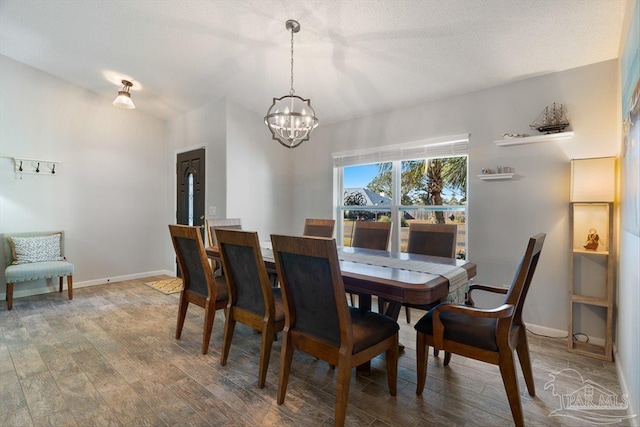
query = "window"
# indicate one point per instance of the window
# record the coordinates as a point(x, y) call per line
point(424, 181)
point(190, 198)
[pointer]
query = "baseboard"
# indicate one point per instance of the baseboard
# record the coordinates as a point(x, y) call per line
point(558, 333)
point(548, 332)
point(17, 293)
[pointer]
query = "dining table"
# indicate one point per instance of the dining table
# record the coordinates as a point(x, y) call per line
point(396, 277)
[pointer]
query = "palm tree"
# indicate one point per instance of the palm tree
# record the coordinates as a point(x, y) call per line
point(423, 181)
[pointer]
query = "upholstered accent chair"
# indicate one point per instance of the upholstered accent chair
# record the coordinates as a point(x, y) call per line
point(252, 300)
point(488, 335)
point(33, 256)
point(200, 286)
point(319, 227)
point(319, 322)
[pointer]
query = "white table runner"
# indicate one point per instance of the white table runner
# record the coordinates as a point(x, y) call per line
point(457, 276)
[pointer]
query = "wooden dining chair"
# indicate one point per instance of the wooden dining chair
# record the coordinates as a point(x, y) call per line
point(319, 227)
point(319, 322)
point(434, 240)
point(371, 235)
point(200, 286)
point(252, 300)
point(488, 335)
point(212, 224)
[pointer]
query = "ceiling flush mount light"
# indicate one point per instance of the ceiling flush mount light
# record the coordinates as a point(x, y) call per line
point(291, 118)
point(124, 97)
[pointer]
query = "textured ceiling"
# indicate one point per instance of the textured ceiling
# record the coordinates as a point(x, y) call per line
point(351, 57)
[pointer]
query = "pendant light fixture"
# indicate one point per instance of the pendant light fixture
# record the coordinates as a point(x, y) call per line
point(291, 119)
point(124, 97)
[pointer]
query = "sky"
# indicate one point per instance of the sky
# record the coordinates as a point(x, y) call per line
point(359, 176)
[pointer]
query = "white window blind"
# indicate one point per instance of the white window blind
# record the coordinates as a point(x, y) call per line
point(449, 146)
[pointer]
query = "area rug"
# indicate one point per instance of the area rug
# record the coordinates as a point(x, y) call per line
point(167, 286)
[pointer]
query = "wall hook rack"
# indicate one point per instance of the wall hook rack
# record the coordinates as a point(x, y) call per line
point(35, 166)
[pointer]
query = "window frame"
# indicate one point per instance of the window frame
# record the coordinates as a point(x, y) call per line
point(442, 147)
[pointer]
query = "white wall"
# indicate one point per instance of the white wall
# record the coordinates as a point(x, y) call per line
point(502, 214)
point(107, 194)
point(259, 182)
point(202, 127)
point(248, 174)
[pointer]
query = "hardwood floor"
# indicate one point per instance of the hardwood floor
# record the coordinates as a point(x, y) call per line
point(109, 357)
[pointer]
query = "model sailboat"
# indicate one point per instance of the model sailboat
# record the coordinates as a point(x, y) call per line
point(552, 120)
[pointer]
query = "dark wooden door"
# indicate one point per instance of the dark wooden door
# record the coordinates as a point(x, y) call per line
point(190, 173)
point(190, 169)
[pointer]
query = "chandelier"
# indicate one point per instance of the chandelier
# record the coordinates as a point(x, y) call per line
point(291, 119)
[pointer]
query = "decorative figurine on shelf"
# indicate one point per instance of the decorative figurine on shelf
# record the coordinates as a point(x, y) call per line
point(592, 240)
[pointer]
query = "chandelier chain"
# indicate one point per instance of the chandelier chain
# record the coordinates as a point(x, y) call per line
point(291, 92)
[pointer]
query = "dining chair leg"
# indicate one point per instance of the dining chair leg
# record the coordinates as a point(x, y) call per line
point(407, 313)
point(392, 366)
point(342, 390)
point(510, 380)
point(525, 360)
point(229, 327)
point(286, 357)
point(182, 313)
point(447, 358)
point(209, 317)
point(421, 357)
point(268, 333)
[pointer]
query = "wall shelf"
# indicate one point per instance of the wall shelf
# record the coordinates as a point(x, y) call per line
point(585, 251)
point(534, 139)
point(494, 176)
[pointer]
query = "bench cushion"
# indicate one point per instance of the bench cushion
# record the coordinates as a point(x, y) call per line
point(37, 270)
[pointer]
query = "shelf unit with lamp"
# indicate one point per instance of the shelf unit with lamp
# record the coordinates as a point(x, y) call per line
point(591, 261)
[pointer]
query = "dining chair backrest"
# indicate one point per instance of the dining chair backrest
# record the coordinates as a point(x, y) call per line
point(195, 269)
point(433, 239)
point(212, 224)
point(318, 227)
point(371, 235)
point(245, 272)
point(312, 286)
point(519, 288)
